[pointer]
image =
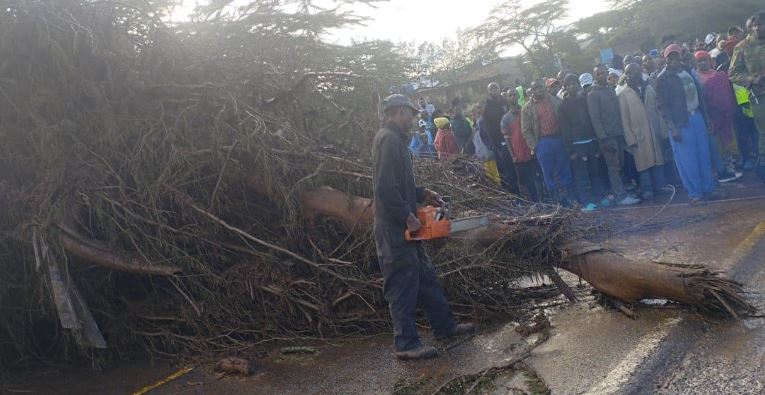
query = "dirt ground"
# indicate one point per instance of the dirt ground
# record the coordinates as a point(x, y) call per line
point(590, 350)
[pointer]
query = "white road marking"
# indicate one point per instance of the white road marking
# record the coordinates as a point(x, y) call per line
point(620, 374)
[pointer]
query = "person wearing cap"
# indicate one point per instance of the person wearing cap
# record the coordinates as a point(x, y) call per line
point(747, 68)
point(605, 115)
point(586, 81)
point(721, 104)
point(541, 131)
point(408, 274)
point(581, 145)
point(683, 109)
point(553, 86)
point(494, 109)
point(643, 132)
point(735, 36)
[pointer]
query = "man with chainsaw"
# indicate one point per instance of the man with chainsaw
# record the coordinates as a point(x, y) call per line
point(409, 275)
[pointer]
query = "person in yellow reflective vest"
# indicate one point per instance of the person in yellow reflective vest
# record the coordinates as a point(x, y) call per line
point(747, 137)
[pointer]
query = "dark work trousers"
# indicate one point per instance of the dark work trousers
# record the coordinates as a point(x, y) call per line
point(747, 137)
point(553, 158)
point(652, 179)
point(527, 174)
point(613, 153)
point(506, 169)
point(591, 183)
point(410, 279)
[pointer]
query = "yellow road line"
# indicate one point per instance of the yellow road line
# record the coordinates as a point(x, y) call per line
point(164, 381)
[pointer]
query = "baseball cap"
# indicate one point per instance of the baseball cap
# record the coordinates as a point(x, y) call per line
point(398, 100)
point(672, 49)
point(586, 79)
point(710, 38)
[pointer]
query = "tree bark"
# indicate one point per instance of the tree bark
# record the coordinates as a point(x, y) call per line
point(610, 273)
point(90, 250)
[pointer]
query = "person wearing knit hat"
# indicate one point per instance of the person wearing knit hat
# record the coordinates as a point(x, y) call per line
point(586, 81)
point(683, 108)
point(718, 92)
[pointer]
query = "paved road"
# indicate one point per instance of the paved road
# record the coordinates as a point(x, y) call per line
point(669, 351)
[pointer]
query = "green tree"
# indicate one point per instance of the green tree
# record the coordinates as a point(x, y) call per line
point(532, 29)
point(648, 20)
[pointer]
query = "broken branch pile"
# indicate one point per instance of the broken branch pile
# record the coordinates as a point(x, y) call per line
point(200, 188)
point(178, 185)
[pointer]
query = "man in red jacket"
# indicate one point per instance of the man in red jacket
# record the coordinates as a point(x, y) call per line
point(526, 166)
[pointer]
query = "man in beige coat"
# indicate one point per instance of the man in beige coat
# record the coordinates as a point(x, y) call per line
point(643, 131)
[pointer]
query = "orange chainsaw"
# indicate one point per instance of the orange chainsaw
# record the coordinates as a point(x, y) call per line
point(436, 224)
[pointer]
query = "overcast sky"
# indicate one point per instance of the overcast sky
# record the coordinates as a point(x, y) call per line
point(424, 20)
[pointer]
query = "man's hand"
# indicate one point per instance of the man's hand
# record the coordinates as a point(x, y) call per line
point(433, 198)
point(412, 223)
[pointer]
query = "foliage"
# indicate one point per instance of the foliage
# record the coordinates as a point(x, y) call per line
point(532, 29)
point(189, 147)
point(638, 21)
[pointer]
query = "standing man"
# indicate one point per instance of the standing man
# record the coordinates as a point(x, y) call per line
point(642, 130)
point(605, 114)
point(541, 130)
point(493, 111)
point(409, 276)
point(747, 68)
point(525, 165)
point(682, 107)
point(581, 144)
point(461, 125)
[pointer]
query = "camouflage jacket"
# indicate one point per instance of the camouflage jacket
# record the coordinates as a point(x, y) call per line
point(748, 63)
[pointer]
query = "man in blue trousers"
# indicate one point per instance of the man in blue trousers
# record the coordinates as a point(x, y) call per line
point(684, 112)
point(541, 130)
point(409, 275)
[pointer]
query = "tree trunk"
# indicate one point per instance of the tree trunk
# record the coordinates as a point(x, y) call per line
point(608, 272)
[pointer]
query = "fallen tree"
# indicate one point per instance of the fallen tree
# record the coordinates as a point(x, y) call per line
point(200, 189)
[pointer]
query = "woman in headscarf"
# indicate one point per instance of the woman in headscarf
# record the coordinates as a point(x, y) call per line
point(446, 143)
point(721, 103)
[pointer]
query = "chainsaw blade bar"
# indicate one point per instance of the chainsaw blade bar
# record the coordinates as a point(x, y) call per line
point(470, 223)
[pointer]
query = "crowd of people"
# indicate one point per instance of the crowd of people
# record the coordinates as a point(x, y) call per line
point(683, 114)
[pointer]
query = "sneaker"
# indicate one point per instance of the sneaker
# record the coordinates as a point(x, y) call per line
point(628, 201)
point(590, 207)
point(727, 176)
point(606, 201)
point(459, 330)
point(421, 352)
